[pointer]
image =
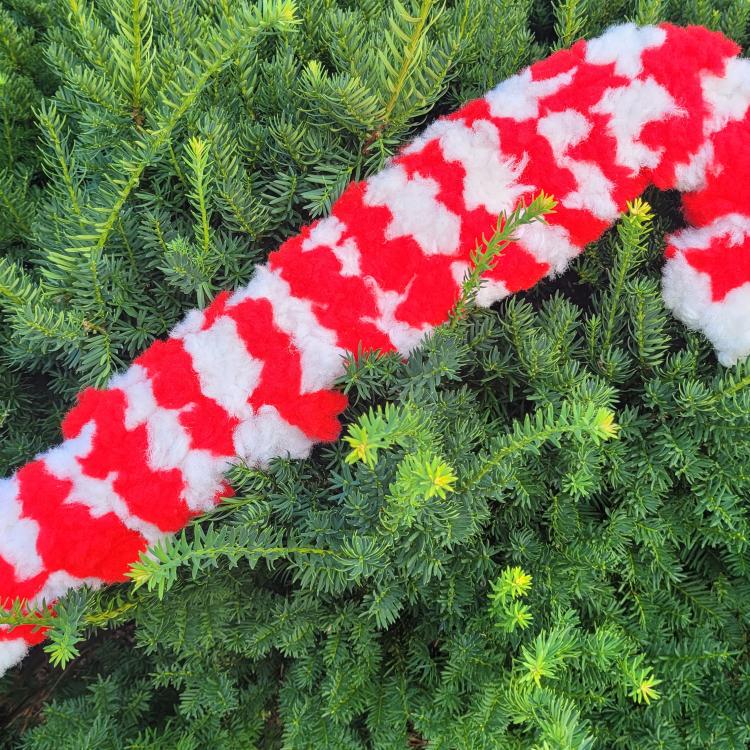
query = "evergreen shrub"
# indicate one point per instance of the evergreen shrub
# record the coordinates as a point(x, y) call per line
point(533, 534)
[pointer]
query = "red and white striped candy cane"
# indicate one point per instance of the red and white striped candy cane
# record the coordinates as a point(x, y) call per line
point(251, 376)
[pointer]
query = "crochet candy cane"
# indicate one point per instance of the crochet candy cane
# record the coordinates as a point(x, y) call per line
point(251, 376)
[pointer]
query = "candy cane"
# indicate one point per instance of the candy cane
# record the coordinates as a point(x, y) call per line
point(251, 376)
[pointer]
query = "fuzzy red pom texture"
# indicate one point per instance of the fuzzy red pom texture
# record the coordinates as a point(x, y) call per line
point(251, 376)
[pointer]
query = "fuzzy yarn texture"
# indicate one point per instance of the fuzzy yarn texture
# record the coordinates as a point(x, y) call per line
point(250, 377)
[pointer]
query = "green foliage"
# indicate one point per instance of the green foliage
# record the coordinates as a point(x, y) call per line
point(533, 534)
point(538, 546)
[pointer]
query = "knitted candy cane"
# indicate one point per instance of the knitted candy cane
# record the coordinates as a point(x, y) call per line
point(251, 375)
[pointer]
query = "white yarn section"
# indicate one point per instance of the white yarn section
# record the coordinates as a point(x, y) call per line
point(169, 443)
point(624, 46)
point(734, 226)
point(629, 109)
point(692, 175)
point(226, 371)
point(727, 95)
point(98, 495)
point(492, 179)
point(416, 212)
point(321, 358)
point(18, 535)
point(11, 652)
point(548, 243)
point(404, 336)
point(518, 97)
point(593, 193)
point(266, 435)
point(327, 233)
point(191, 323)
point(687, 292)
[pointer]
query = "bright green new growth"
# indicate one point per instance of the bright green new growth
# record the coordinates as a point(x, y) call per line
point(532, 535)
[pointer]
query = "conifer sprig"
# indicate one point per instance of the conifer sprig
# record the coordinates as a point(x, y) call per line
point(157, 569)
point(485, 255)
